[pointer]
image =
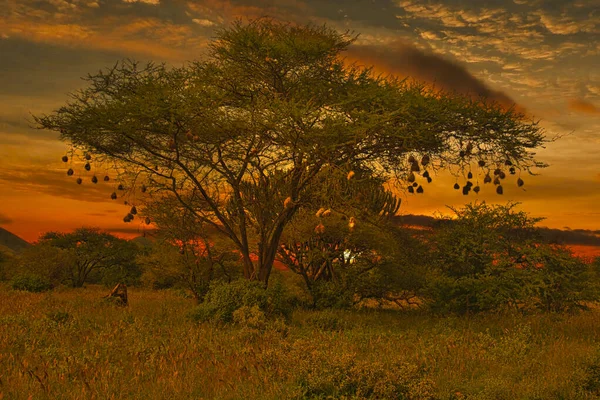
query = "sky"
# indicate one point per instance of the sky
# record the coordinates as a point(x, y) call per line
point(543, 55)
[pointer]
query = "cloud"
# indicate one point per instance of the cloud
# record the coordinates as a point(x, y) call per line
point(583, 106)
point(55, 182)
point(404, 59)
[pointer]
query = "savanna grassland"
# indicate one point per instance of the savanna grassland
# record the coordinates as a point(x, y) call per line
point(72, 344)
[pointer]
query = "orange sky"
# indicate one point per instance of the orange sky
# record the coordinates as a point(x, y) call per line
point(542, 54)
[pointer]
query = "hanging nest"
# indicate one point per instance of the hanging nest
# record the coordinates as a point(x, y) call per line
point(414, 167)
point(148, 221)
point(456, 186)
point(462, 153)
point(470, 175)
point(476, 189)
point(144, 188)
point(79, 181)
point(65, 159)
point(496, 181)
point(133, 210)
point(350, 175)
point(520, 182)
point(469, 148)
point(411, 177)
point(429, 179)
point(425, 160)
point(512, 170)
point(415, 184)
point(94, 179)
point(487, 178)
point(499, 189)
point(411, 160)
point(502, 175)
point(70, 172)
point(465, 190)
point(88, 157)
point(420, 189)
point(288, 202)
point(481, 163)
point(120, 187)
point(113, 195)
point(106, 178)
point(411, 189)
point(469, 184)
point(87, 166)
point(351, 223)
point(426, 174)
point(497, 171)
point(508, 163)
point(128, 218)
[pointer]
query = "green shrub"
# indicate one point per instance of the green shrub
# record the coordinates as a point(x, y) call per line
point(30, 283)
point(491, 258)
point(223, 299)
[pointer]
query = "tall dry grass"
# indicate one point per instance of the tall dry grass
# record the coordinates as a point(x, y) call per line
point(73, 345)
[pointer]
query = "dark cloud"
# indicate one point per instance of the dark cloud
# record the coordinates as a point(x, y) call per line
point(404, 59)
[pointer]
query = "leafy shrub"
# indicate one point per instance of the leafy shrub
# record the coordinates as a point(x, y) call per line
point(223, 299)
point(251, 317)
point(30, 283)
point(491, 257)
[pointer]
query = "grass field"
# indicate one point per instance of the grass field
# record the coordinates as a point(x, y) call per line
point(70, 344)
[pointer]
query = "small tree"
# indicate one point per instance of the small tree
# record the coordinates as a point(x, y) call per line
point(491, 256)
point(240, 138)
point(89, 250)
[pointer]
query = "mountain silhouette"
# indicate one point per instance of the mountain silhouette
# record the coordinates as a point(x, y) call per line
point(12, 242)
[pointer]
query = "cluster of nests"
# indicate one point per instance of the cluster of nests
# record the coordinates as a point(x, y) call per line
point(88, 167)
point(499, 175)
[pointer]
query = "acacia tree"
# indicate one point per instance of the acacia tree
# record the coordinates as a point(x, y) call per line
point(240, 137)
point(89, 250)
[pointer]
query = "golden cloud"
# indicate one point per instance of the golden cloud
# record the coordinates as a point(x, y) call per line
point(583, 106)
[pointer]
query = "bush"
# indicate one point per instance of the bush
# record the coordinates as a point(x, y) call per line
point(30, 283)
point(491, 258)
point(223, 299)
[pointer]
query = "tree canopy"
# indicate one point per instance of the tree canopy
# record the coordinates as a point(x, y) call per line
point(89, 250)
point(243, 138)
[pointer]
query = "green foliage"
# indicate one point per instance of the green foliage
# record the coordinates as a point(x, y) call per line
point(490, 258)
point(224, 299)
point(89, 255)
point(30, 283)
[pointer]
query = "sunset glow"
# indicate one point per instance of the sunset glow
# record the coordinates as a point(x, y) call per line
point(542, 55)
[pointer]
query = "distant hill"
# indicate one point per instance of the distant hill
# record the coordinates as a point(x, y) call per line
point(12, 241)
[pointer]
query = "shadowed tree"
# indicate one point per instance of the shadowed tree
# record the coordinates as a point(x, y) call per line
point(241, 137)
point(89, 250)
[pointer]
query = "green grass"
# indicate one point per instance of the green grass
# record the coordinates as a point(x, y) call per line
point(71, 344)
